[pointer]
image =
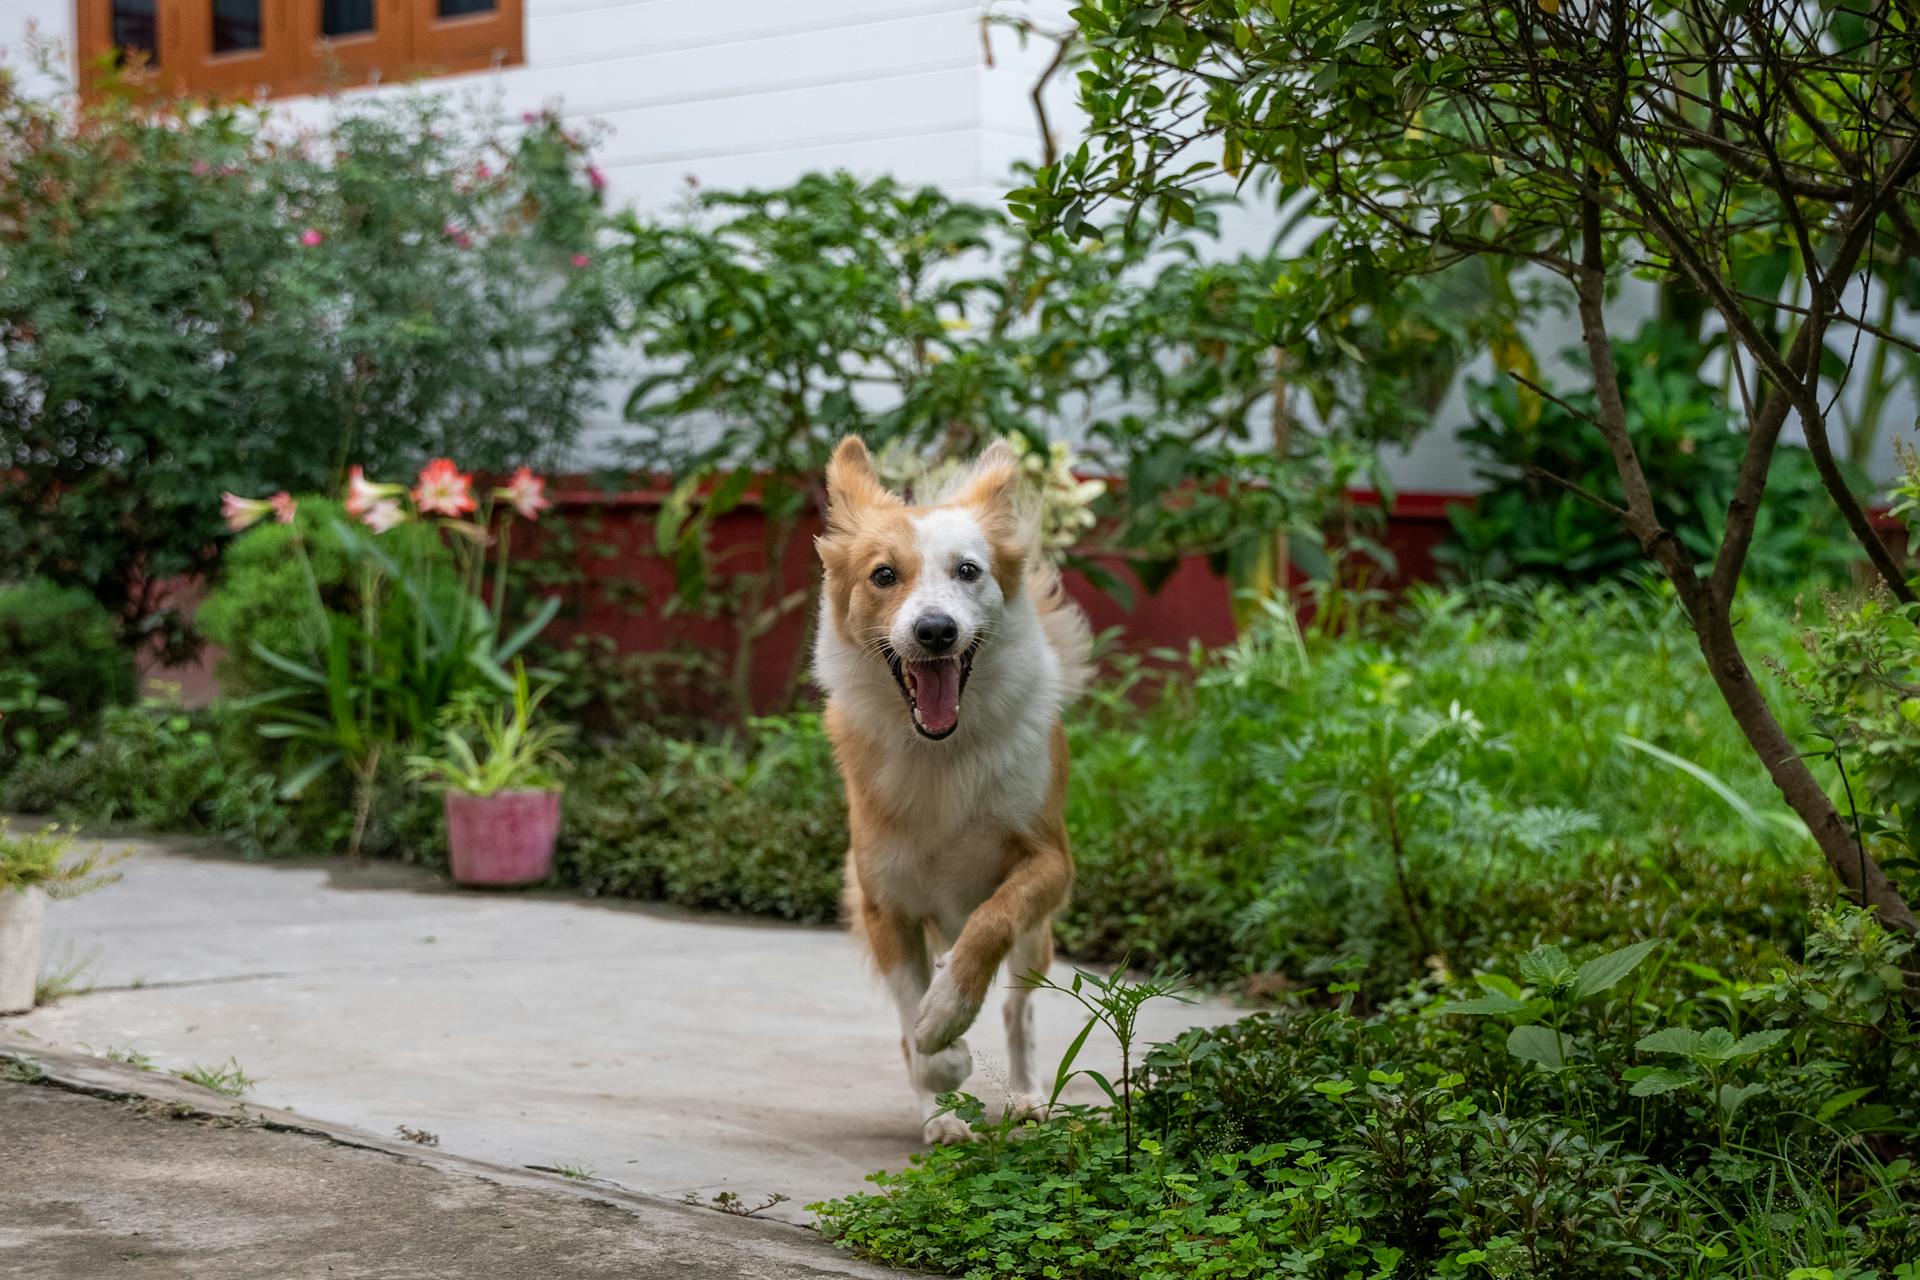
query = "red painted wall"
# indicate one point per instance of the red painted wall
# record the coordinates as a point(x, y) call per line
point(627, 585)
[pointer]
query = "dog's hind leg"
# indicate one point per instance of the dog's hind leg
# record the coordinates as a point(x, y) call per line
point(1032, 953)
point(900, 953)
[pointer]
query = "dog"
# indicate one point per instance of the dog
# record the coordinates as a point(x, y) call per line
point(947, 648)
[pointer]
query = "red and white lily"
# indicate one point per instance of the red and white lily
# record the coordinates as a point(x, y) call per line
point(363, 494)
point(444, 489)
point(526, 493)
point(243, 513)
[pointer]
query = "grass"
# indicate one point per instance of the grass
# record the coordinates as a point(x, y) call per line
point(131, 1058)
point(62, 981)
point(18, 1070)
point(228, 1078)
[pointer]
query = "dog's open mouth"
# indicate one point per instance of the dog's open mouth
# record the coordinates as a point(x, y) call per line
point(932, 688)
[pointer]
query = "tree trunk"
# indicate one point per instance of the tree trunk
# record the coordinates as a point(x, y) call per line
point(1844, 854)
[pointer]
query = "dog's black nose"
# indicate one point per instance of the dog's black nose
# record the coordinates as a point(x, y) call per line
point(936, 632)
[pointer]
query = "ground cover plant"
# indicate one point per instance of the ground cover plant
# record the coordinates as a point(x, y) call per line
point(1639, 1113)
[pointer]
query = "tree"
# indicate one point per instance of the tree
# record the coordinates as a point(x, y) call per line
point(190, 303)
point(1758, 155)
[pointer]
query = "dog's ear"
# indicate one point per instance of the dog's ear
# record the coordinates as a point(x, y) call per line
point(851, 484)
point(994, 490)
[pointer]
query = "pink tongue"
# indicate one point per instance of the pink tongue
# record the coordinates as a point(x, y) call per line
point(936, 694)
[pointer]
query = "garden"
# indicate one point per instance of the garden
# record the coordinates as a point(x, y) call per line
point(1569, 887)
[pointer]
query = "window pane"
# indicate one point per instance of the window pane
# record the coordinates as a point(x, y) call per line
point(134, 28)
point(460, 8)
point(236, 25)
point(346, 17)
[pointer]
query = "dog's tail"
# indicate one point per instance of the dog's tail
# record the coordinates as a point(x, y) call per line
point(1065, 627)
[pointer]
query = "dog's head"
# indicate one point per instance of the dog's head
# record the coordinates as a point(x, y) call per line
point(921, 590)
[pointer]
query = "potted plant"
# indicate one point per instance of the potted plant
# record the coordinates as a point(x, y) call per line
point(500, 774)
point(34, 868)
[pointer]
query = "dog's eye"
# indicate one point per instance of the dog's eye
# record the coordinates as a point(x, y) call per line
point(966, 571)
point(884, 576)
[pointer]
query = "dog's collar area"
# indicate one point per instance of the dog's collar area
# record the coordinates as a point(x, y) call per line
point(903, 678)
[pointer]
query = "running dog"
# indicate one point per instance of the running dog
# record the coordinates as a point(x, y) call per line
point(956, 812)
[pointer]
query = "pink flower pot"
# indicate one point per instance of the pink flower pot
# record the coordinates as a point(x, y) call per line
point(502, 839)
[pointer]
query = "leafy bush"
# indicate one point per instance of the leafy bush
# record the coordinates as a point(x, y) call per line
point(165, 769)
point(399, 285)
point(1524, 524)
point(1664, 1121)
point(710, 825)
point(61, 661)
point(1425, 792)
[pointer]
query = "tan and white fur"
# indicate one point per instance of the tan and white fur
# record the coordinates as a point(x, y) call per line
point(947, 650)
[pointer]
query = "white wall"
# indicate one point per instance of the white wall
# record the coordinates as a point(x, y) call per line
point(757, 92)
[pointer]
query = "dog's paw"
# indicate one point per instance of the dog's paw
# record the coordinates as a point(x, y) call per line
point(945, 1071)
point(945, 1015)
point(1022, 1107)
point(945, 1131)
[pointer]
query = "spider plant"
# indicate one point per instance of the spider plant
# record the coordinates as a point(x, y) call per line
point(487, 748)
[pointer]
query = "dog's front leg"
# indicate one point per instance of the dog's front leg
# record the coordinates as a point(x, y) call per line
point(1032, 891)
point(900, 952)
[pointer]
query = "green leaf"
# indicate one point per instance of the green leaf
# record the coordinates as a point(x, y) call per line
point(1756, 1042)
point(1365, 29)
point(1681, 1040)
point(1603, 973)
point(1716, 1045)
point(1536, 1044)
point(305, 777)
point(1767, 827)
point(1546, 966)
point(1650, 1082)
point(297, 670)
point(1066, 1072)
point(532, 627)
point(1732, 1096)
point(1493, 1005)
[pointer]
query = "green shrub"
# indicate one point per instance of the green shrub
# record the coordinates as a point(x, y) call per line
point(1676, 1122)
point(57, 643)
point(1525, 525)
point(363, 296)
point(165, 769)
point(713, 826)
point(1423, 793)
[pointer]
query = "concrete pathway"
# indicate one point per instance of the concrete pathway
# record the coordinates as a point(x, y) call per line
point(662, 1052)
point(187, 1186)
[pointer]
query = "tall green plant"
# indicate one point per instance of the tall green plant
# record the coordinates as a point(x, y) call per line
point(379, 678)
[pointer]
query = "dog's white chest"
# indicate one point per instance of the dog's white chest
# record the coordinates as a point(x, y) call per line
point(953, 820)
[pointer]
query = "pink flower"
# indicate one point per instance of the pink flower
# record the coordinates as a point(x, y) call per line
point(528, 117)
point(284, 507)
point(580, 260)
point(363, 493)
point(383, 515)
point(482, 172)
point(201, 168)
point(527, 492)
point(241, 513)
point(444, 489)
point(596, 179)
point(311, 237)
